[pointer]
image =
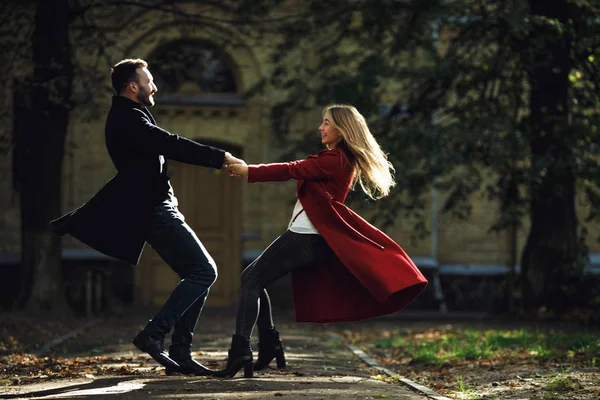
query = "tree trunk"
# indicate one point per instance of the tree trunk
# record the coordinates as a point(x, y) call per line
point(41, 119)
point(552, 251)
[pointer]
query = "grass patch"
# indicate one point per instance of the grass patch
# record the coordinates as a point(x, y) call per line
point(561, 384)
point(461, 385)
point(452, 345)
point(386, 378)
point(488, 362)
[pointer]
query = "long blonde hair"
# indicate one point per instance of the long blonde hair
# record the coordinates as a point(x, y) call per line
point(372, 169)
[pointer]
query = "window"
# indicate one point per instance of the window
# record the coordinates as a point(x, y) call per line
point(193, 67)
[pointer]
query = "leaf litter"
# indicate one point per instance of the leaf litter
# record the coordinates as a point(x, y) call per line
point(487, 362)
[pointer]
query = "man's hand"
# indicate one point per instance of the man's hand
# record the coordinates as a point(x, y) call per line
point(235, 166)
point(230, 160)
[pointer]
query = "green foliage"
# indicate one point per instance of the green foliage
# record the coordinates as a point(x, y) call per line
point(494, 98)
point(463, 72)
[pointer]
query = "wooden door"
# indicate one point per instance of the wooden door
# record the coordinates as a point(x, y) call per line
point(210, 201)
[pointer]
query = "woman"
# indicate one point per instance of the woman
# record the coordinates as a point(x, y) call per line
point(344, 269)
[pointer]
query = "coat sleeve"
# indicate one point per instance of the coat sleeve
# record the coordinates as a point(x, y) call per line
point(325, 166)
point(151, 139)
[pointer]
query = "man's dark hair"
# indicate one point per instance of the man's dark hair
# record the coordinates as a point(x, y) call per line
point(125, 71)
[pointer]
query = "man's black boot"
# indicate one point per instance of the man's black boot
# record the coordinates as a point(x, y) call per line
point(187, 364)
point(154, 347)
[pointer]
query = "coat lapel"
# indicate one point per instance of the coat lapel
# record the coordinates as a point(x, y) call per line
point(301, 181)
point(149, 114)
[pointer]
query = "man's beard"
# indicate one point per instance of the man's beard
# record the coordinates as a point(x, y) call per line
point(144, 98)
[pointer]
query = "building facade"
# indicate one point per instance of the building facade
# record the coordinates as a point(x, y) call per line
point(203, 78)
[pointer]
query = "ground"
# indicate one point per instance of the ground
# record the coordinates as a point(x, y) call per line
point(491, 358)
point(100, 362)
point(460, 357)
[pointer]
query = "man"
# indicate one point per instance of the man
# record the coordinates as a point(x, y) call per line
point(138, 205)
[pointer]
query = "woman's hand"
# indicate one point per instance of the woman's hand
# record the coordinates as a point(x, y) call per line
point(239, 168)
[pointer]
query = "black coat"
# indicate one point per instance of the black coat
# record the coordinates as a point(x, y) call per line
point(116, 220)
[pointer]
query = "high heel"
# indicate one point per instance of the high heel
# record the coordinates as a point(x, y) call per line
point(270, 347)
point(248, 370)
point(280, 358)
point(240, 356)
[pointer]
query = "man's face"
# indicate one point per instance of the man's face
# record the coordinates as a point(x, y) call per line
point(146, 87)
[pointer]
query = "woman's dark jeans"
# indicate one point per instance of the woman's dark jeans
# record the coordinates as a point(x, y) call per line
point(289, 252)
point(180, 248)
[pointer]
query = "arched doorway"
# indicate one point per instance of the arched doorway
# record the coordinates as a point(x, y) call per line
point(197, 82)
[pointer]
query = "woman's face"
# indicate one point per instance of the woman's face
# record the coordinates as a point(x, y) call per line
point(330, 136)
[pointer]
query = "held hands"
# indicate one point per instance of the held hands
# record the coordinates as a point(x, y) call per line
point(235, 166)
point(238, 169)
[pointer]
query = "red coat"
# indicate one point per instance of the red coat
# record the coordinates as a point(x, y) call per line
point(371, 276)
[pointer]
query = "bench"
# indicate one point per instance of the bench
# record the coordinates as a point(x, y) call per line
point(479, 270)
point(91, 270)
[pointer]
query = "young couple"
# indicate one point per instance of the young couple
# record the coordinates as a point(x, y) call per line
point(343, 268)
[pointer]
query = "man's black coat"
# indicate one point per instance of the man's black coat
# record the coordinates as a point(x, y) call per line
point(116, 220)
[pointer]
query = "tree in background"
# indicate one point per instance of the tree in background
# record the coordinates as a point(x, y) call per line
point(46, 83)
point(495, 96)
point(41, 105)
point(478, 92)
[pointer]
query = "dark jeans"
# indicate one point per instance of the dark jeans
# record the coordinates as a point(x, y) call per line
point(289, 252)
point(181, 249)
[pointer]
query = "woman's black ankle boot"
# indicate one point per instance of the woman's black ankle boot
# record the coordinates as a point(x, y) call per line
point(240, 356)
point(270, 347)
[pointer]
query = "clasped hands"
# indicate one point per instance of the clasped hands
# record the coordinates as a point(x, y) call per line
point(235, 166)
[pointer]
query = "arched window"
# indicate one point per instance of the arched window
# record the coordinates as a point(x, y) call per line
point(194, 72)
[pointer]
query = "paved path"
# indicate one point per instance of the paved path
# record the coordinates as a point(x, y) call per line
point(318, 368)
